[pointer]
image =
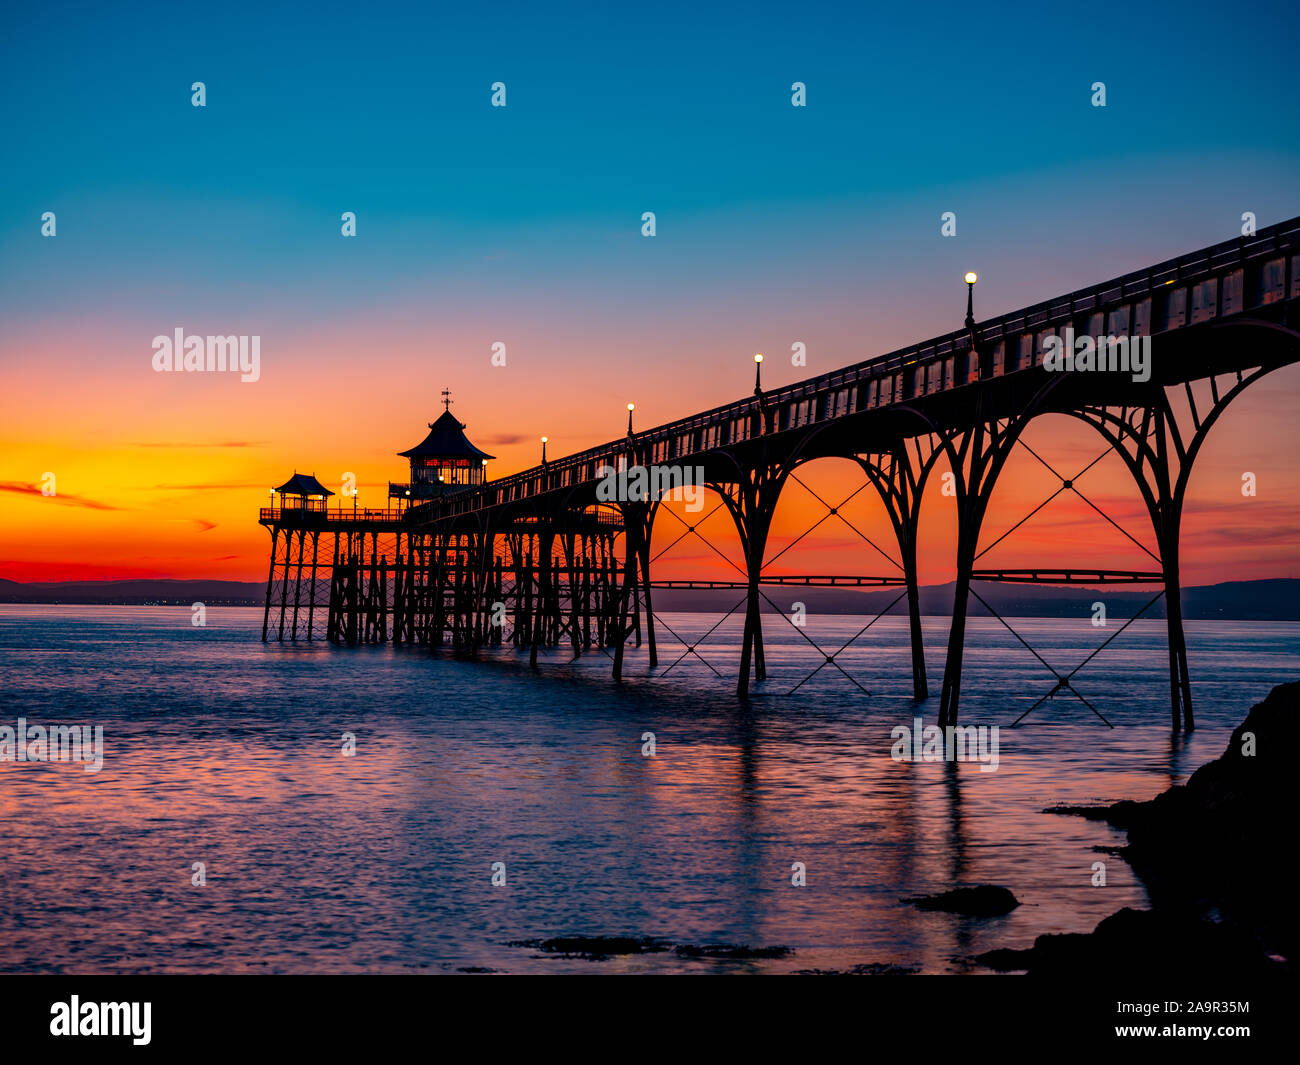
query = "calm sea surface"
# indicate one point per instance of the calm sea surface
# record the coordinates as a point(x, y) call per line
point(222, 750)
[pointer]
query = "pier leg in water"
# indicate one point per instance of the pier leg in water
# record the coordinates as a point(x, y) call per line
point(899, 477)
point(751, 501)
point(270, 579)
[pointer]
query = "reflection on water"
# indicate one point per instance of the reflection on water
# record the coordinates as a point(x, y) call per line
point(225, 751)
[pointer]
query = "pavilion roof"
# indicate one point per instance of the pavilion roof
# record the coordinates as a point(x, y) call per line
point(303, 484)
point(446, 440)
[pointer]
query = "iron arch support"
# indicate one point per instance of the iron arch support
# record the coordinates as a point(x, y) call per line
point(1159, 455)
point(976, 458)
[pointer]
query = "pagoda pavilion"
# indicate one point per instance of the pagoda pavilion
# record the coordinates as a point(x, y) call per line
point(444, 461)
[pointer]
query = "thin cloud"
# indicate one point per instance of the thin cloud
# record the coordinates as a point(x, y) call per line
point(20, 488)
point(194, 443)
point(205, 526)
point(207, 487)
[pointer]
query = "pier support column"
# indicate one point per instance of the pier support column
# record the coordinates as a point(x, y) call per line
point(751, 502)
point(270, 579)
point(311, 595)
point(481, 610)
point(284, 584)
point(574, 546)
point(899, 478)
point(297, 584)
point(637, 521)
point(648, 597)
point(1180, 681)
point(907, 549)
point(334, 611)
point(542, 611)
point(968, 522)
point(1160, 456)
point(976, 457)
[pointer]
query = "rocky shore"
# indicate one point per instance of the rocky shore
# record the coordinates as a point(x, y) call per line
point(1217, 856)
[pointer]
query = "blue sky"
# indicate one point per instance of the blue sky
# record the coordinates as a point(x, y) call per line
point(521, 224)
point(680, 109)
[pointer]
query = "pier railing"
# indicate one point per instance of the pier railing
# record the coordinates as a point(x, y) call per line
point(279, 515)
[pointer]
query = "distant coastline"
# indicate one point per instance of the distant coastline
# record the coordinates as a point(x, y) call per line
point(1263, 600)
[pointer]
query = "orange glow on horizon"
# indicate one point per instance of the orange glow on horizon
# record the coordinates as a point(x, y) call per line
point(162, 476)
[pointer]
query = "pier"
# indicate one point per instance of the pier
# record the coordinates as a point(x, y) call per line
point(544, 558)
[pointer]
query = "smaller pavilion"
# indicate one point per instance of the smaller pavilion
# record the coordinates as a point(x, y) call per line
point(303, 492)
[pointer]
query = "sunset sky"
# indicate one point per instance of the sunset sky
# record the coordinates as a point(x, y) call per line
point(522, 225)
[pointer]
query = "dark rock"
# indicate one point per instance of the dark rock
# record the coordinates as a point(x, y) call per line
point(724, 950)
point(602, 948)
point(865, 969)
point(1005, 960)
point(1091, 813)
point(594, 948)
point(1216, 855)
point(984, 900)
point(1223, 845)
point(1141, 943)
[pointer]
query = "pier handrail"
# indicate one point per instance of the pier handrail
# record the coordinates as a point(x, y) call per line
point(276, 514)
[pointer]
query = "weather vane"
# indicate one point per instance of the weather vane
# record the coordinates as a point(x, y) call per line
point(446, 399)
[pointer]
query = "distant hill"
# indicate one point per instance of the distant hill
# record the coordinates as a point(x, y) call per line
point(1269, 600)
point(165, 592)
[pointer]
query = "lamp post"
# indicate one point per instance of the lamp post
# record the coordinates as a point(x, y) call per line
point(543, 453)
point(630, 408)
point(758, 373)
point(970, 298)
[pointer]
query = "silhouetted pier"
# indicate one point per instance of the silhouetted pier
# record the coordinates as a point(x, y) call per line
point(540, 558)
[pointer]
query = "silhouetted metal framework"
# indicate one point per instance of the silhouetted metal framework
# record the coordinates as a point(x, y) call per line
point(540, 554)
